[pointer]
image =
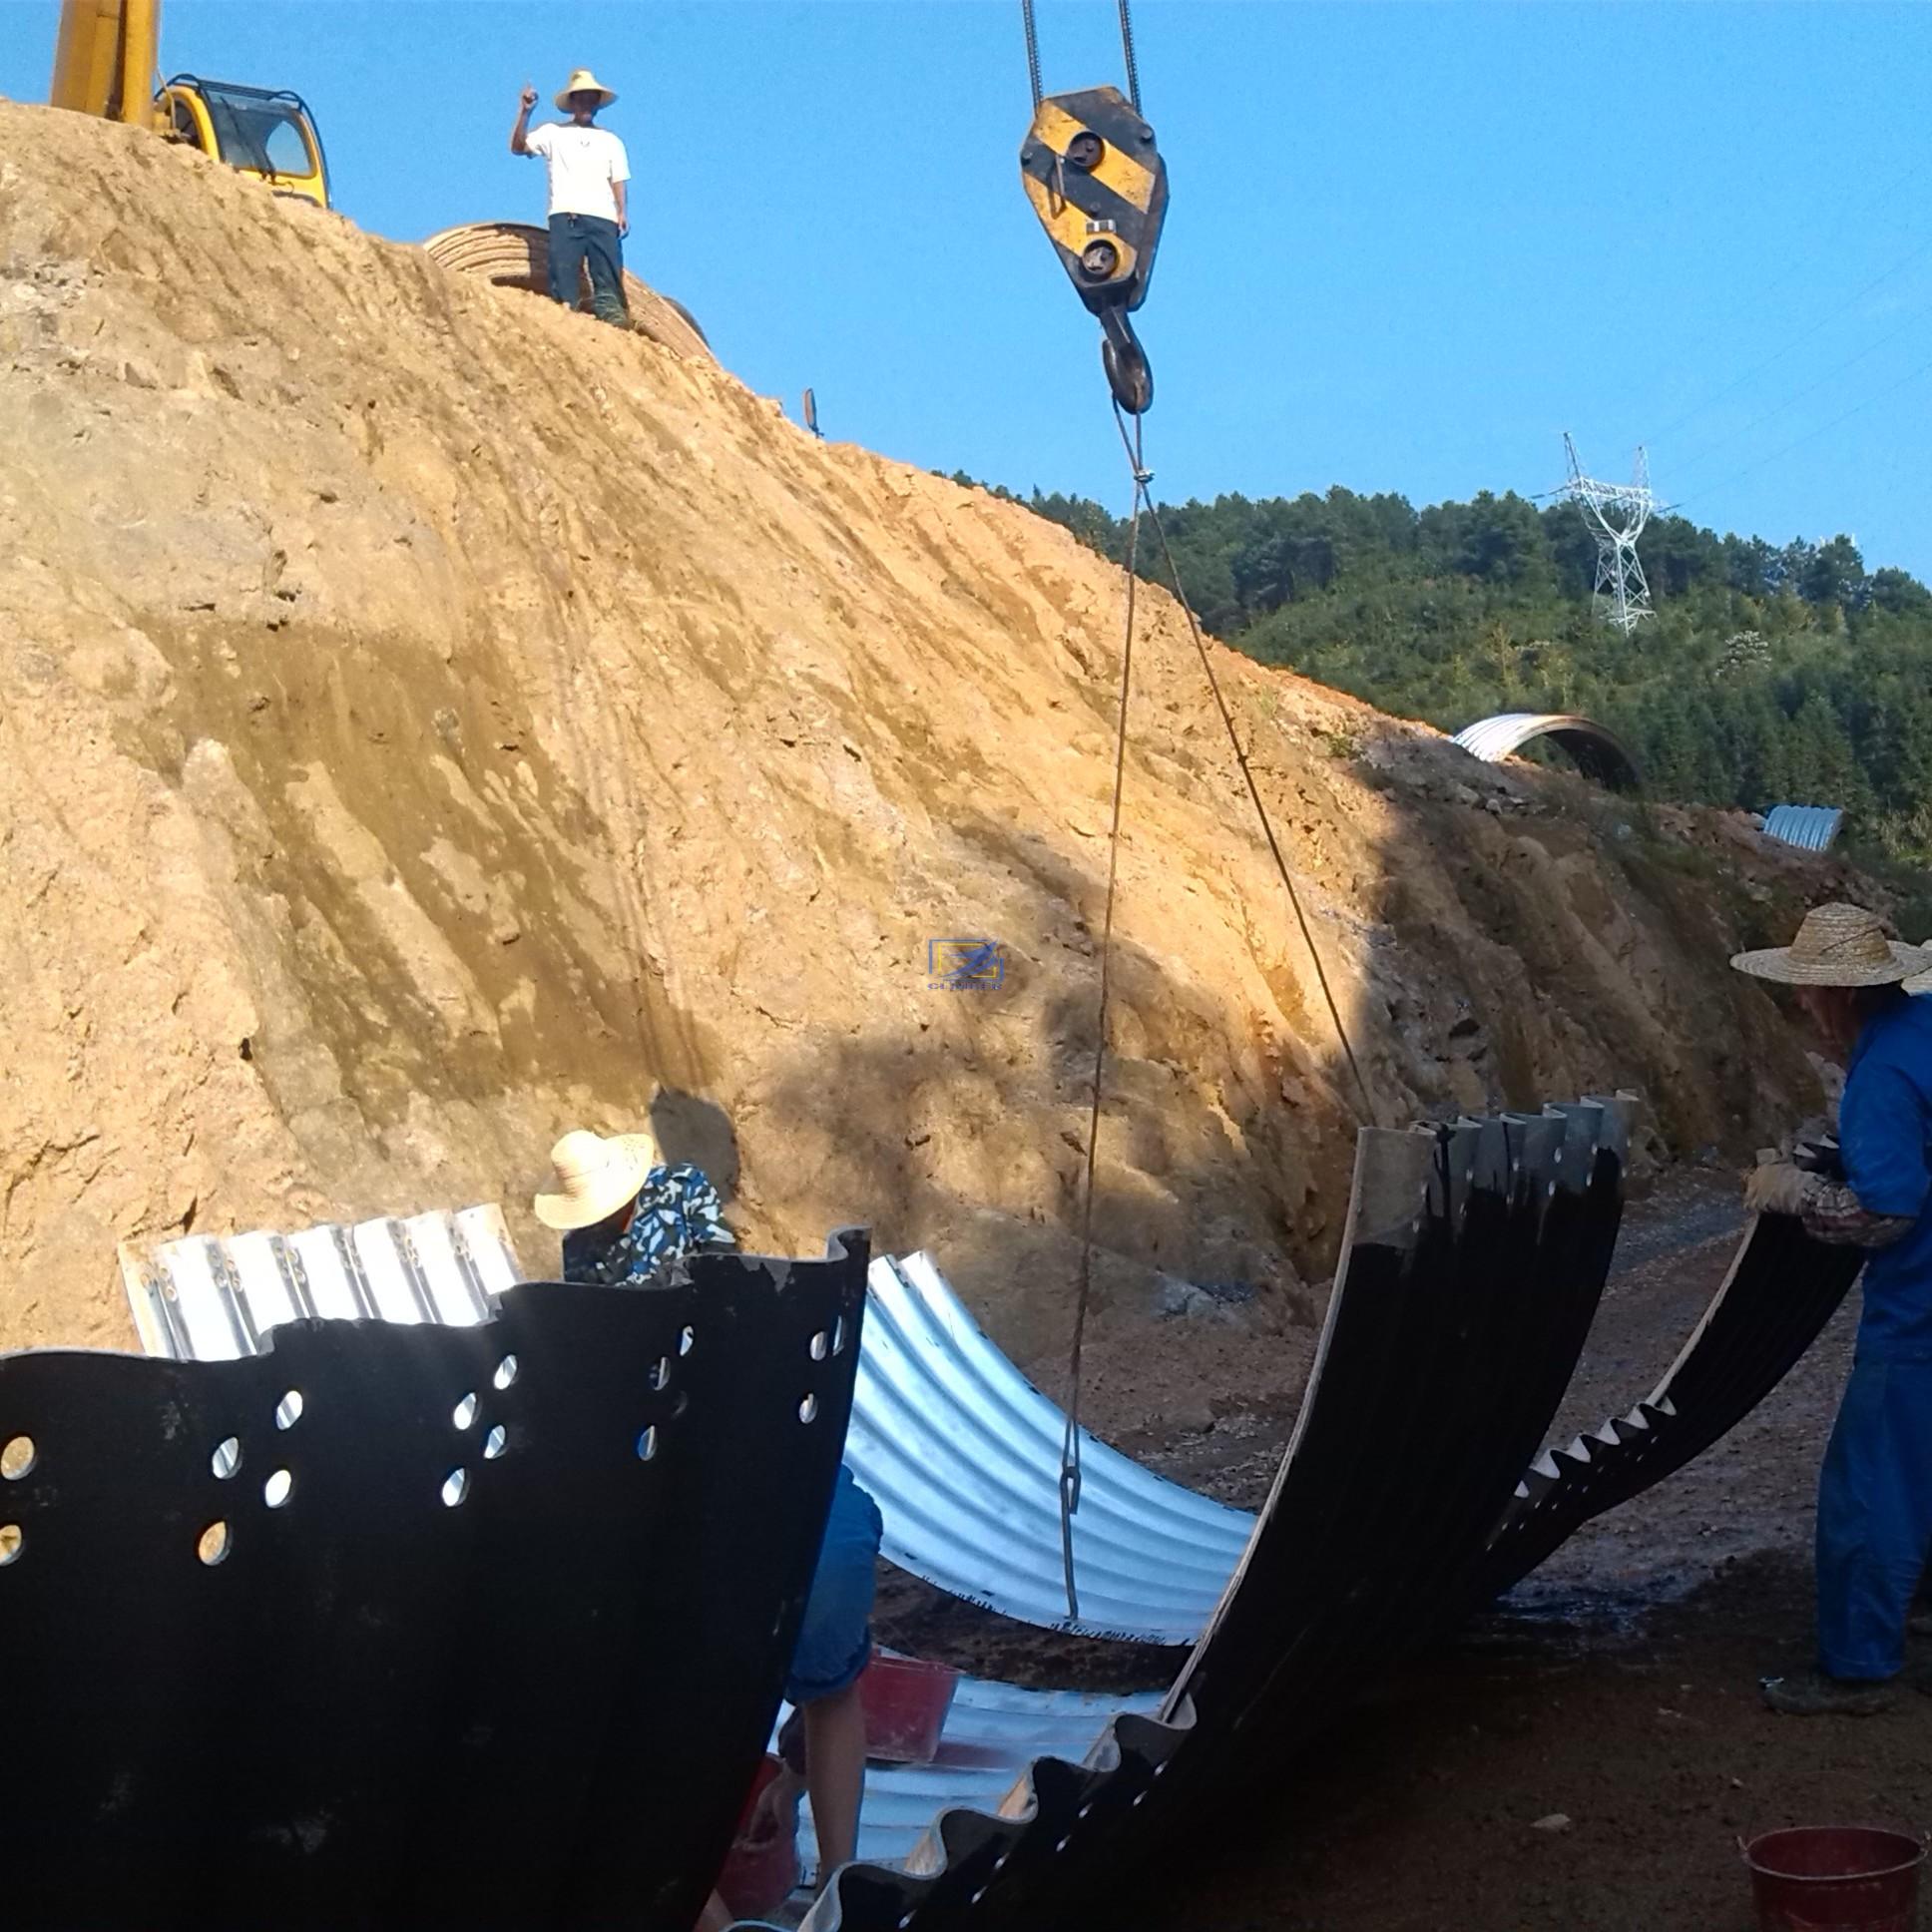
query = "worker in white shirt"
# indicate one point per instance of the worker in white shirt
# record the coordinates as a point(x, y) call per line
point(588, 214)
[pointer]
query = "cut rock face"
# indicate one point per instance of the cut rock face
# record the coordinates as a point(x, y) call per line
point(429, 721)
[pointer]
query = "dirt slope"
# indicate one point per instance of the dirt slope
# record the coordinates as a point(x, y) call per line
point(432, 719)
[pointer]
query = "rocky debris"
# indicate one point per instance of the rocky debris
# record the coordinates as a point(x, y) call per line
point(432, 719)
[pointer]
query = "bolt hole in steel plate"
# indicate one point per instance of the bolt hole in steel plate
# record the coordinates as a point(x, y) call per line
point(457, 1485)
point(506, 1372)
point(495, 1443)
point(18, 1458)
point(463, 1415)
point(278, 1488)
point(289, 1409)
point(214, 1544)
point(808, 1409)
point(1086, 151)
point(12, 1542)
point(227, 1458)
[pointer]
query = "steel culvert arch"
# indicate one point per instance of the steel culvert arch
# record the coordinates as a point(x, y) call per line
point(1599, 753)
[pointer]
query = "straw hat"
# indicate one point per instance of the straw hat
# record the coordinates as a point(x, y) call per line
point(1921, 982)
point(583, 81)
point(1837, 945)
point(595, 1175)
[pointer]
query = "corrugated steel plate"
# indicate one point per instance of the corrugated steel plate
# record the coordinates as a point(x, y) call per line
point(1779, 1293)
point(963, 1455)
point(960, 1450)
point(384, 1697)
point(1811, 827)
point(212, 1298)
point(1598, 753)
point(992, 1732)
point(1469, 1253)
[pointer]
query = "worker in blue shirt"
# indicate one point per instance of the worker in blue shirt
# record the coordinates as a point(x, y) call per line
point(1865, 992)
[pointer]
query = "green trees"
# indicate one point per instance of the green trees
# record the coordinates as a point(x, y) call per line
point(1768, 674)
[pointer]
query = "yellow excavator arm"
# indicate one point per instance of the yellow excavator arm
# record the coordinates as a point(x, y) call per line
point(106, 59)
point(106, 62)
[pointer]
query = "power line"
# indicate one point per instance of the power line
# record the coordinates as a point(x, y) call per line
point(1811, 388)
point(1792, 271)
point(1797, 442)
point(1803, 335)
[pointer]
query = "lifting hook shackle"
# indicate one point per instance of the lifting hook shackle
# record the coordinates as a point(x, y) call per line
point(1097, 182)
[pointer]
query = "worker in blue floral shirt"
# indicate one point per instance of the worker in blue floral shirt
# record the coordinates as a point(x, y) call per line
point(627, 1218)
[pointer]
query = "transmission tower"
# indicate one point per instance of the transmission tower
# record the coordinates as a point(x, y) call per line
point(1615, 514)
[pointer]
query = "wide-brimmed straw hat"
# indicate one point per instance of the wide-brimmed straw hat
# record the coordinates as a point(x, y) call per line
point(595, 1175)
point(1921, 982)
point(583, 81)
point(1839, 945)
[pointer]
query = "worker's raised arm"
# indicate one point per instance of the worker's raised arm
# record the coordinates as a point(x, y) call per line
point(518, 145)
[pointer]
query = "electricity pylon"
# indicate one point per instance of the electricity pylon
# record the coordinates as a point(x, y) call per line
point(1616, 513)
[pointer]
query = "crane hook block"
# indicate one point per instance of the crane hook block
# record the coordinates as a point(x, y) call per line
point(1100, 187)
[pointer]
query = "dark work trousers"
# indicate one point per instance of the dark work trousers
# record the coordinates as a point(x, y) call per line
point(1874, 1517)
point(577, 239)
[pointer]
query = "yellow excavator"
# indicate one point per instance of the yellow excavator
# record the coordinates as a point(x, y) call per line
point(106, 62)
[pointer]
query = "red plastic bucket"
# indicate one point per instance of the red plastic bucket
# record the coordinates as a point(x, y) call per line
point(905, 1700)
point(1836, 1878)
point(762, 1866)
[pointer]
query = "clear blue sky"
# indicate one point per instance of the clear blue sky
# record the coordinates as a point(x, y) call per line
point(1408, 245)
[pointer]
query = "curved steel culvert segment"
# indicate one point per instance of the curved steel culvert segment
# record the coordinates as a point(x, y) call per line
point(1780, 1291)
point(963, 1455)
point(1598, 752)
point(960, 1450)
point(1473, 1257)
point(305, 1653)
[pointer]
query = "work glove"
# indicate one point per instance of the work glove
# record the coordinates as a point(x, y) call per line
point(1777, 1188)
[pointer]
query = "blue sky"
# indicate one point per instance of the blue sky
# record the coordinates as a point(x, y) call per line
point(1408, 245)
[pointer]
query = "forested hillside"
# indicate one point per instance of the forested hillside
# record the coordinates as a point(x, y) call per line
point(1767, 674)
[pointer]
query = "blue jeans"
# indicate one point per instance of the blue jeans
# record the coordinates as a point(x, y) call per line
point(1874, 1517)
point(835, 1637)
point(575, 240)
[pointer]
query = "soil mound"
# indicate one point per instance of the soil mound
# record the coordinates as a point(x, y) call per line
point(432, 719)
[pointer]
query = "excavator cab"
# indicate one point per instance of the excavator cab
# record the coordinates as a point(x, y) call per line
point(268, 134)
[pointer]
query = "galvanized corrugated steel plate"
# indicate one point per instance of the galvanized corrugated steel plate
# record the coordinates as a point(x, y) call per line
point(1454, 1323)
point(992, 1732)
point(1810, 827)
point(212, 1298)
point(963, 1455)
point(1600, 754)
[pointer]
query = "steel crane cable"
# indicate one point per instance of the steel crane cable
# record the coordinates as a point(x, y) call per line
point(1126, 54)
point(1069, 1472)
point(1253, 791)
